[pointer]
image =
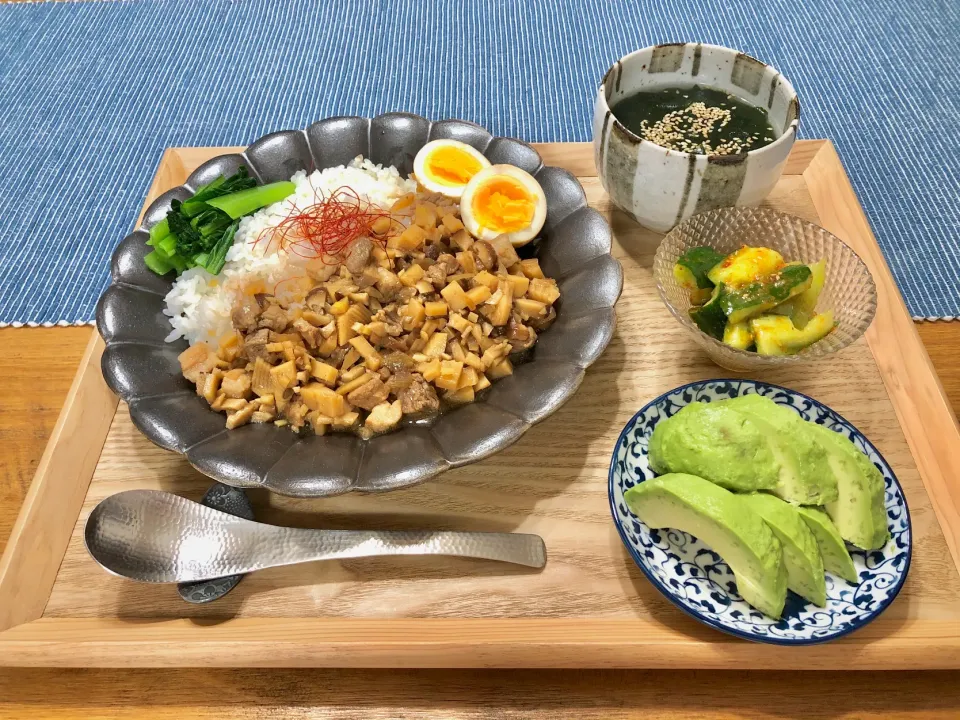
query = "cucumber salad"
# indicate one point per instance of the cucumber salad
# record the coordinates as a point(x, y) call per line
point(752, 299)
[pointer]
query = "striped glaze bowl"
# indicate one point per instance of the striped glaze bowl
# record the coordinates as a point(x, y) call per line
point(660, 187)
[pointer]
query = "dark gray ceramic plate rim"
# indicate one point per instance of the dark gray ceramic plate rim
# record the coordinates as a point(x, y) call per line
point(576, 250)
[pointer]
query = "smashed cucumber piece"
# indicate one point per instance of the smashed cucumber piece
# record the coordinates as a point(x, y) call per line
point(746, 265)
point(742, 303)
point(710, 317)
point(692, 267)
point(801, 308)
point(738, 335)
point(777, 335)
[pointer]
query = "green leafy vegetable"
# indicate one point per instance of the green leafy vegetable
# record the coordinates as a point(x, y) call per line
point(200, 230)
point(238, 204)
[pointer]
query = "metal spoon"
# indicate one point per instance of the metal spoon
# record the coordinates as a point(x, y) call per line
point(154, 536)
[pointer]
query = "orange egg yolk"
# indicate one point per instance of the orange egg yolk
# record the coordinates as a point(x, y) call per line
point(503, 205)
point(451, 166)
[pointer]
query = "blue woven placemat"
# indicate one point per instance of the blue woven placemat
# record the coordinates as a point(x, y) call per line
point(91, 94)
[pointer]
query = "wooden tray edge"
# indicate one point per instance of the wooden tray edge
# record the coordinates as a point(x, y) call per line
point(923, 410)
point(460, 643)
point(35, 549)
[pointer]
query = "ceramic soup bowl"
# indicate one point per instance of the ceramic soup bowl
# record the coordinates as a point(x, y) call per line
point(660, 187)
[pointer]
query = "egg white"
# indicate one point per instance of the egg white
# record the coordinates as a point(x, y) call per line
point(433, 185)
point(517, 237)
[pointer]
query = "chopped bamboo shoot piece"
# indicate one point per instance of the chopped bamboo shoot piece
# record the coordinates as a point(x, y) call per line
point(486, 279)
point(409, 239)
point(411, 276)
point(531, 268)
point(430, 370)
point(455, 296)
point(349, 387)
point(328, 345)
point(450, 371)
point(345, 323)
point(461, 396)
point(435, 309)
point(436, 345)
point(468, 378)
point(474, 361)
point(468, 262)
point(452, 223)
point(500, 370)
point(477, 295)
point(319, 397)
point(367, 352)
point(323, 372)
point(546, 291)
point(520, 284)
point(284, 377)
point(500, 312)
point(413, 315)
point(346, 421)
point(459, 323)
point(528, 308)
point(340, 306)
point(353, 373)
point(349, 359)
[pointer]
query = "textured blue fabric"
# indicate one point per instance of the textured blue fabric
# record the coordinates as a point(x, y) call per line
point(91, 93)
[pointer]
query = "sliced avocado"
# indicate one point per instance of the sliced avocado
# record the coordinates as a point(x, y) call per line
point(743, 303)
point(805, 474)
point(692, 267)
point(836, 559)
point(802, 307)
point(746, 265)
point(800, 552)
point(717, 443)
point(738, 335)
point(710, 316)
point(859, 511)
point(777, 335)
point(721, 520)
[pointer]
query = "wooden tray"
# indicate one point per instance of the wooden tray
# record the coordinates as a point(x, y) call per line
point(590, 607)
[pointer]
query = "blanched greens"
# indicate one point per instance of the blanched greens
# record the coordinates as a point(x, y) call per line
point(200, 230)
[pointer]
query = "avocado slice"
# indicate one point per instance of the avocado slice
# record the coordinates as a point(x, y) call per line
point(800, 552)
point(725, 523)
point(805, 477)
point(777, 335)
point(859, 511)
point(836, 559)
point(717, 443)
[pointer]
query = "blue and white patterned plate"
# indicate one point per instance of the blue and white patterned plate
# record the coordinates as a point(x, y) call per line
point(697, 581)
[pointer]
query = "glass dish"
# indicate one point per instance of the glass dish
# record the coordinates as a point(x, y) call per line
point(849, 289)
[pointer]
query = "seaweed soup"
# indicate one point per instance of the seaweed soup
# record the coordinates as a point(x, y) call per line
point(696, 119)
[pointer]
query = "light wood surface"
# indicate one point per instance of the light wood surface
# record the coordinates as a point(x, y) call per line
point(590, 606)
point(27, 420)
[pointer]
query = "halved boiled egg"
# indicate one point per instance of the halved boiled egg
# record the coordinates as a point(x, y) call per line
point(446, 166)
point(503, 200)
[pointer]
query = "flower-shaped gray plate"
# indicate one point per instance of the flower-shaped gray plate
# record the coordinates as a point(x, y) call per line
point(143, 369)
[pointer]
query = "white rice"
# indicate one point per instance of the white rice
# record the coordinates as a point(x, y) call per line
point(199, 303)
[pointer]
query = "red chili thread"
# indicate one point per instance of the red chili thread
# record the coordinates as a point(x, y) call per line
point(327, 228)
